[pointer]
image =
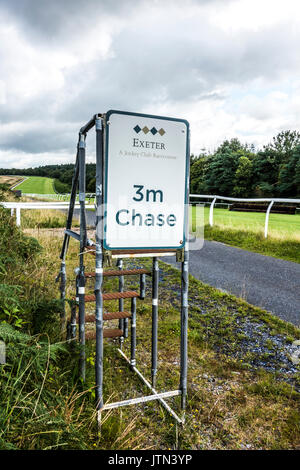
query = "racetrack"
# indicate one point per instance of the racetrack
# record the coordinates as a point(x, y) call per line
point(36, 185)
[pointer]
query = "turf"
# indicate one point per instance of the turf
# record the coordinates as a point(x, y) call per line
point(246, 230)
point(280, 225)
point(37, 185)
point(242, 384)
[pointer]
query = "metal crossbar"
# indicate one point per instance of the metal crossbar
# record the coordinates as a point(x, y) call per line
point(134, 401)
point(162, 401)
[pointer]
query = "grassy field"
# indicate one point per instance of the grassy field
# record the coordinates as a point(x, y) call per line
point(238, 396)
point(281, 226)
point(46, 218)
point(242, 385)
point(246, 230)
point(37, 185)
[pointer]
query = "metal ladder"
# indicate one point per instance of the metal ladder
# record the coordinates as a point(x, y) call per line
point(122, 315)
point(78, 315)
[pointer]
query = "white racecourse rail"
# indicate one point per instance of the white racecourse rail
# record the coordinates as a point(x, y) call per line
point(235, 199)
point(17, 206)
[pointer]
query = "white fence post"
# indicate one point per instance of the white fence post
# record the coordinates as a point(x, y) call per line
point(235, 199)
point(18, 216)
point(267, 218)
point(211, 212)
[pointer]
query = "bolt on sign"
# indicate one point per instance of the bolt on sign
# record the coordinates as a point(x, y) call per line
point(146, 181)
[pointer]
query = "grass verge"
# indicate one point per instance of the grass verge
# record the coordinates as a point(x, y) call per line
point(246, 231)
point(287, 249)
point(242, 385)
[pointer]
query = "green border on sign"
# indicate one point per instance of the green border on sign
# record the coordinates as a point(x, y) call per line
point(186, 200)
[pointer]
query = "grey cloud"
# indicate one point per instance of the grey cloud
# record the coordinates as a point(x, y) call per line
point(53, 20)
point(40, 137)
point(156, 60)
point(56, 20)
point(180, 67)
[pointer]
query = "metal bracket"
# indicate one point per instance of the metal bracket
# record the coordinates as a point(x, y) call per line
point(180, 255)
point(98, 123)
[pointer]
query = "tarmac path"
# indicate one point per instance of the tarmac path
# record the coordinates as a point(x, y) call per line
point(270, 283)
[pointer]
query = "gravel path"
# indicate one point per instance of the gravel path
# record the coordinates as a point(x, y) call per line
point(266, 282)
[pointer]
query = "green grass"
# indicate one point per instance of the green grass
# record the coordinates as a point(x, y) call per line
point(37, 185)
point(281, 226)
point(45, 406)
point(286, 249)
point(246, 230)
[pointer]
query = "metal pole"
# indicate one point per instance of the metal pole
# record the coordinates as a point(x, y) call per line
point(184, 297)
point(90, 124)
point(71, 205)
point(267, 218)
point(81, 288)
point(74, 307)
point(62, 287)
point(155, 278)
point(184, 327)
point(133, 332)
point(99, 268)
point(121, 301)
point(73, 321)
point(142, 286)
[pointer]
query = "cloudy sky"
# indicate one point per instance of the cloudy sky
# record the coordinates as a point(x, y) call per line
point(230, 67)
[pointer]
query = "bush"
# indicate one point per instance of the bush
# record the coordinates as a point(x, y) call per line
point(46, 317)
point(60, 187)
point(15, 247)
point(25, 391)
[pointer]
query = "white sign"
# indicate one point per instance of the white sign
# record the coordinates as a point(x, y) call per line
point(146, 172)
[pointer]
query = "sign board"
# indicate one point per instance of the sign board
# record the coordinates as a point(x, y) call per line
point(146, 181)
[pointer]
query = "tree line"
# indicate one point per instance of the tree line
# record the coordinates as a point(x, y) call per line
point(234, 169)
point(238, 170)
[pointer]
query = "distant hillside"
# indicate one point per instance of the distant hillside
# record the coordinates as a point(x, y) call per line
point(61, 174)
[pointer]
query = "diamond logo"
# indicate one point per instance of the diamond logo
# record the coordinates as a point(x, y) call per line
point(145, 129)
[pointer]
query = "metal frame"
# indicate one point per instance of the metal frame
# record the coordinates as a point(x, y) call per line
point(99, 121)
